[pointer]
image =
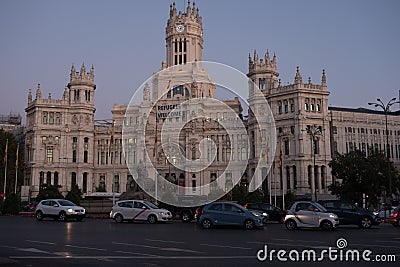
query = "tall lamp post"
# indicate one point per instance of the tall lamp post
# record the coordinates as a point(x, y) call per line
point(314, 131)
point(386, 110)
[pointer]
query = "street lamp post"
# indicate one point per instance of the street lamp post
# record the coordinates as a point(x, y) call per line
point(314, 131)
point(386, 110)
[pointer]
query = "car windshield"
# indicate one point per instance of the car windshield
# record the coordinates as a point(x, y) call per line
point(320, 207)
point(151, 205)
point(66, 203)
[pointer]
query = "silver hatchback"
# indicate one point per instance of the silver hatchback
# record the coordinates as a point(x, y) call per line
point(309, 214)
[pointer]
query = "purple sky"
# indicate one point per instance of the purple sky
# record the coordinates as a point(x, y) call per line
point(357, 42)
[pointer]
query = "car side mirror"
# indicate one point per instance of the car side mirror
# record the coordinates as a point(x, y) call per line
point(55, 205)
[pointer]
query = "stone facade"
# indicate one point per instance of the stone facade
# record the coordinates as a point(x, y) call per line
point(65, 146)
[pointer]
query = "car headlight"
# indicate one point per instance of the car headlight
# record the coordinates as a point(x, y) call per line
point(161, 213)
point(255, 214)
point(70, 210)
point(332, 216)
point(375, 213)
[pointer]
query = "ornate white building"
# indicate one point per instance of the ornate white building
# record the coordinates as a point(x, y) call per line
point(65, 146)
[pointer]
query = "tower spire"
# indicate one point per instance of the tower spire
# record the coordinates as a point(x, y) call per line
point(323, 79)
point(38, 92)
point(274, 61)
point(297, 78)
point(83, 70)
point(30, 96)
point(267, 59)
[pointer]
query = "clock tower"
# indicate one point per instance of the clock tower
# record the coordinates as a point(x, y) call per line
point(184, 36)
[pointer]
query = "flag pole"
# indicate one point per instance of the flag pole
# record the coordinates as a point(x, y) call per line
point(5, 170)
point(16, 170)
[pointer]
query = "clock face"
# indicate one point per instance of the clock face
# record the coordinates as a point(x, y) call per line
point(180, 28)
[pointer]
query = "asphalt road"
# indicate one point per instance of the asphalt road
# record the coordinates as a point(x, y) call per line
point(100, 242)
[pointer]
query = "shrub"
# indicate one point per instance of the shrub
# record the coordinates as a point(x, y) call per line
point(12, 204)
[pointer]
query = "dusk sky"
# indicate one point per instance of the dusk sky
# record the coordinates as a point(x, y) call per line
point(356, 42)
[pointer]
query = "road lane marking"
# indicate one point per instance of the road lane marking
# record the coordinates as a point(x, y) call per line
point(289, 245)
point(165, 241)
point(387, 241)
point(372, 245)
point(4, 246)
point(33, 250)
point(73, 246)
point(135, 253)
point(293, 240)
point(221, 246)
point(159, 248)
point(41, 242)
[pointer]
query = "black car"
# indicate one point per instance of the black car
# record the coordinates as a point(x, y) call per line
point(351, 214)
point(274, 213)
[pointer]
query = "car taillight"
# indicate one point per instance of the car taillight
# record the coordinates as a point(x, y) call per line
point(245, 206)
point(202, 212)
point(395, 215)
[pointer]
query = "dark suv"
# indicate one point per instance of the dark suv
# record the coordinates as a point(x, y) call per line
point(274, 213)
point(351, 214)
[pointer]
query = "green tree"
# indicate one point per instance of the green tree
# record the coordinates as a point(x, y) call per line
point(12, 204)
point(75, 195)
point(11, 161)
point(49, 191)
point(359, 174)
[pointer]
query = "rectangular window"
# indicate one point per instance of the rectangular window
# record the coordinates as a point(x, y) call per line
point(49, 154)
point(85, 156)
point(58, 119)
point(74, 156)
point(316, 146)
point(44, 117)
point(84, 182)
point(116, 183)
point(292, 107)
point(286, 108)
point(51, 117)
point(286, 147)
point(262, 83)
point(102, 158)
point(194, 185)
point(73, 179)
point(280, 110)
point(102, 183)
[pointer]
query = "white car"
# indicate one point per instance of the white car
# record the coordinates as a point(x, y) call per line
point(139, 210)
point(60, 209)
point(310, 214)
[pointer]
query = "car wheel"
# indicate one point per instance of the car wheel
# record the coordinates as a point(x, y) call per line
point(366, 222)
point(118, 218)
point(206, 224)
point(62, 216)
point(290, 224)
point(39, 215)
point(249, 224)
point(326, 225)
point(152, 219)
point(185, 217)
